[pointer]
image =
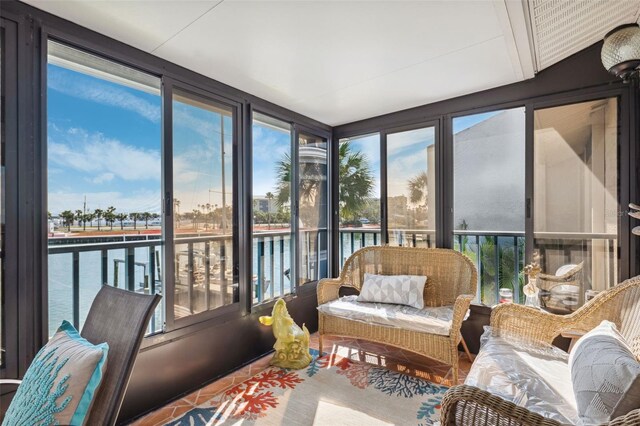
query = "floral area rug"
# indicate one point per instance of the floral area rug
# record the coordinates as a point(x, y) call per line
point(331, 391)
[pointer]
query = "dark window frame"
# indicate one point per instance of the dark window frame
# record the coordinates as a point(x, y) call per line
point(384, 133)
point(13, 336)
point(296, 128)
point(302, 129)
point(232, 310)
point(444, 222)
point(61, 31)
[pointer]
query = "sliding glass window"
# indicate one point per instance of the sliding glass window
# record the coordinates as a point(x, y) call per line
point(411, 188)
point(576, 200)
point(2, 194)
point(359, 198)
point(489, 198)
point(273, 246)
point(312, 208)
point(205, 230)
point(104, 182)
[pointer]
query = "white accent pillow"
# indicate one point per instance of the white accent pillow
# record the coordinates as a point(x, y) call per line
point(394, 289)
point(604, 374)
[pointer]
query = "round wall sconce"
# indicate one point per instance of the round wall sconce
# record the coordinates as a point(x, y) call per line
point(621, 51)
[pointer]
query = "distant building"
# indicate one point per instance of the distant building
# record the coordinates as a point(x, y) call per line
point(262, 204)
point(489, 168)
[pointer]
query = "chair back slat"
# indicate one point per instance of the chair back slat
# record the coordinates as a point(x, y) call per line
point(120, 318)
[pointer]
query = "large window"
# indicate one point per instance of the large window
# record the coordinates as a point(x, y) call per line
point(290, 239)
point(312, 208)
point(411, 188)
point(576, 198)
point(359, 193)
point(489, 198)
point(104, 182)
point(273, 246)
point(203, 205)
point(2, 193)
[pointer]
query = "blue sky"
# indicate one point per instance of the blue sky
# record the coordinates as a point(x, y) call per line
point(270, 145)
point(104, 142)
point(407, 152)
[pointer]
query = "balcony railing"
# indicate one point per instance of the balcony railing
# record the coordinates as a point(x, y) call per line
point(78, 266)
point(500, 256)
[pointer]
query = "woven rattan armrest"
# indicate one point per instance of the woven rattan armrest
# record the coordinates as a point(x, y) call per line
point(471, 406)
point(528, 323)
point(552, 278)
point(631, 419)
point(328, 289)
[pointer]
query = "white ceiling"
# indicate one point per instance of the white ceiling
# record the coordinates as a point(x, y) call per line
point(337, 61)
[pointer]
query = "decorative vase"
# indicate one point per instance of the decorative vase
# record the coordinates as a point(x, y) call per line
point(532, 293)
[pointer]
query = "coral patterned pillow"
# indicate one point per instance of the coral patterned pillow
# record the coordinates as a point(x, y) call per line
point(394, 289)
point(60, 383)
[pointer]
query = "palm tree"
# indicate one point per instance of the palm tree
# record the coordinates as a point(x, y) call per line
point(98, 213)
point(134, 217)
point(67, 217)
point(87, 217)
point(196, 215)
point(121, 217)
point(146, 216)
point(110, 216)
point(418, 189)
point(355, 179)
point(354, 174)
point(79, 216)
point(270, 198)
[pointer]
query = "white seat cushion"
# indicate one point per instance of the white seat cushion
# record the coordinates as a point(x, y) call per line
point(533, 376)
point(428, 320)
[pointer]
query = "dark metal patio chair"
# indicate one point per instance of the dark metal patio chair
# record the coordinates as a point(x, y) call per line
point(120, 318)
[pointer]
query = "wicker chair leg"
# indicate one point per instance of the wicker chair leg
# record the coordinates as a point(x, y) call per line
point(320, 344)
point(454, 368)
point(466, 349)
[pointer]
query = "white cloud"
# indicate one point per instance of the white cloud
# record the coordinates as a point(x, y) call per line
point(95, 91)
point(397, 142)
point(104, 177)
point(205, 128)
point(102, 157)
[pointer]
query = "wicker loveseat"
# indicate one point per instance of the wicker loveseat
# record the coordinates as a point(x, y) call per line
point(451, 282)
point(497, 383)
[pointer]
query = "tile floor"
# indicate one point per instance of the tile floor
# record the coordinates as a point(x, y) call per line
point(374, 353)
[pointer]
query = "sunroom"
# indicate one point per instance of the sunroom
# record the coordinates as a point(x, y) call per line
point(320, 212)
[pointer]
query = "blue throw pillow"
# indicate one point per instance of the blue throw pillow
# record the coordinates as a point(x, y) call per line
point(60, 383)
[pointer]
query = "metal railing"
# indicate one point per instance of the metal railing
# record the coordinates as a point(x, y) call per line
point(499, 257)
point(272, 261)
point(201, 262)
point(122, 251)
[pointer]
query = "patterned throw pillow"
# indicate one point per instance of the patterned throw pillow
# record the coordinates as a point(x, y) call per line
point(604, 374)
point(60, 383)
point(394, 289)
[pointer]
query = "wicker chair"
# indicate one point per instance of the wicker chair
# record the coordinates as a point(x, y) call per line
point(571, 279)
point(452, 280)
point(470, 406)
